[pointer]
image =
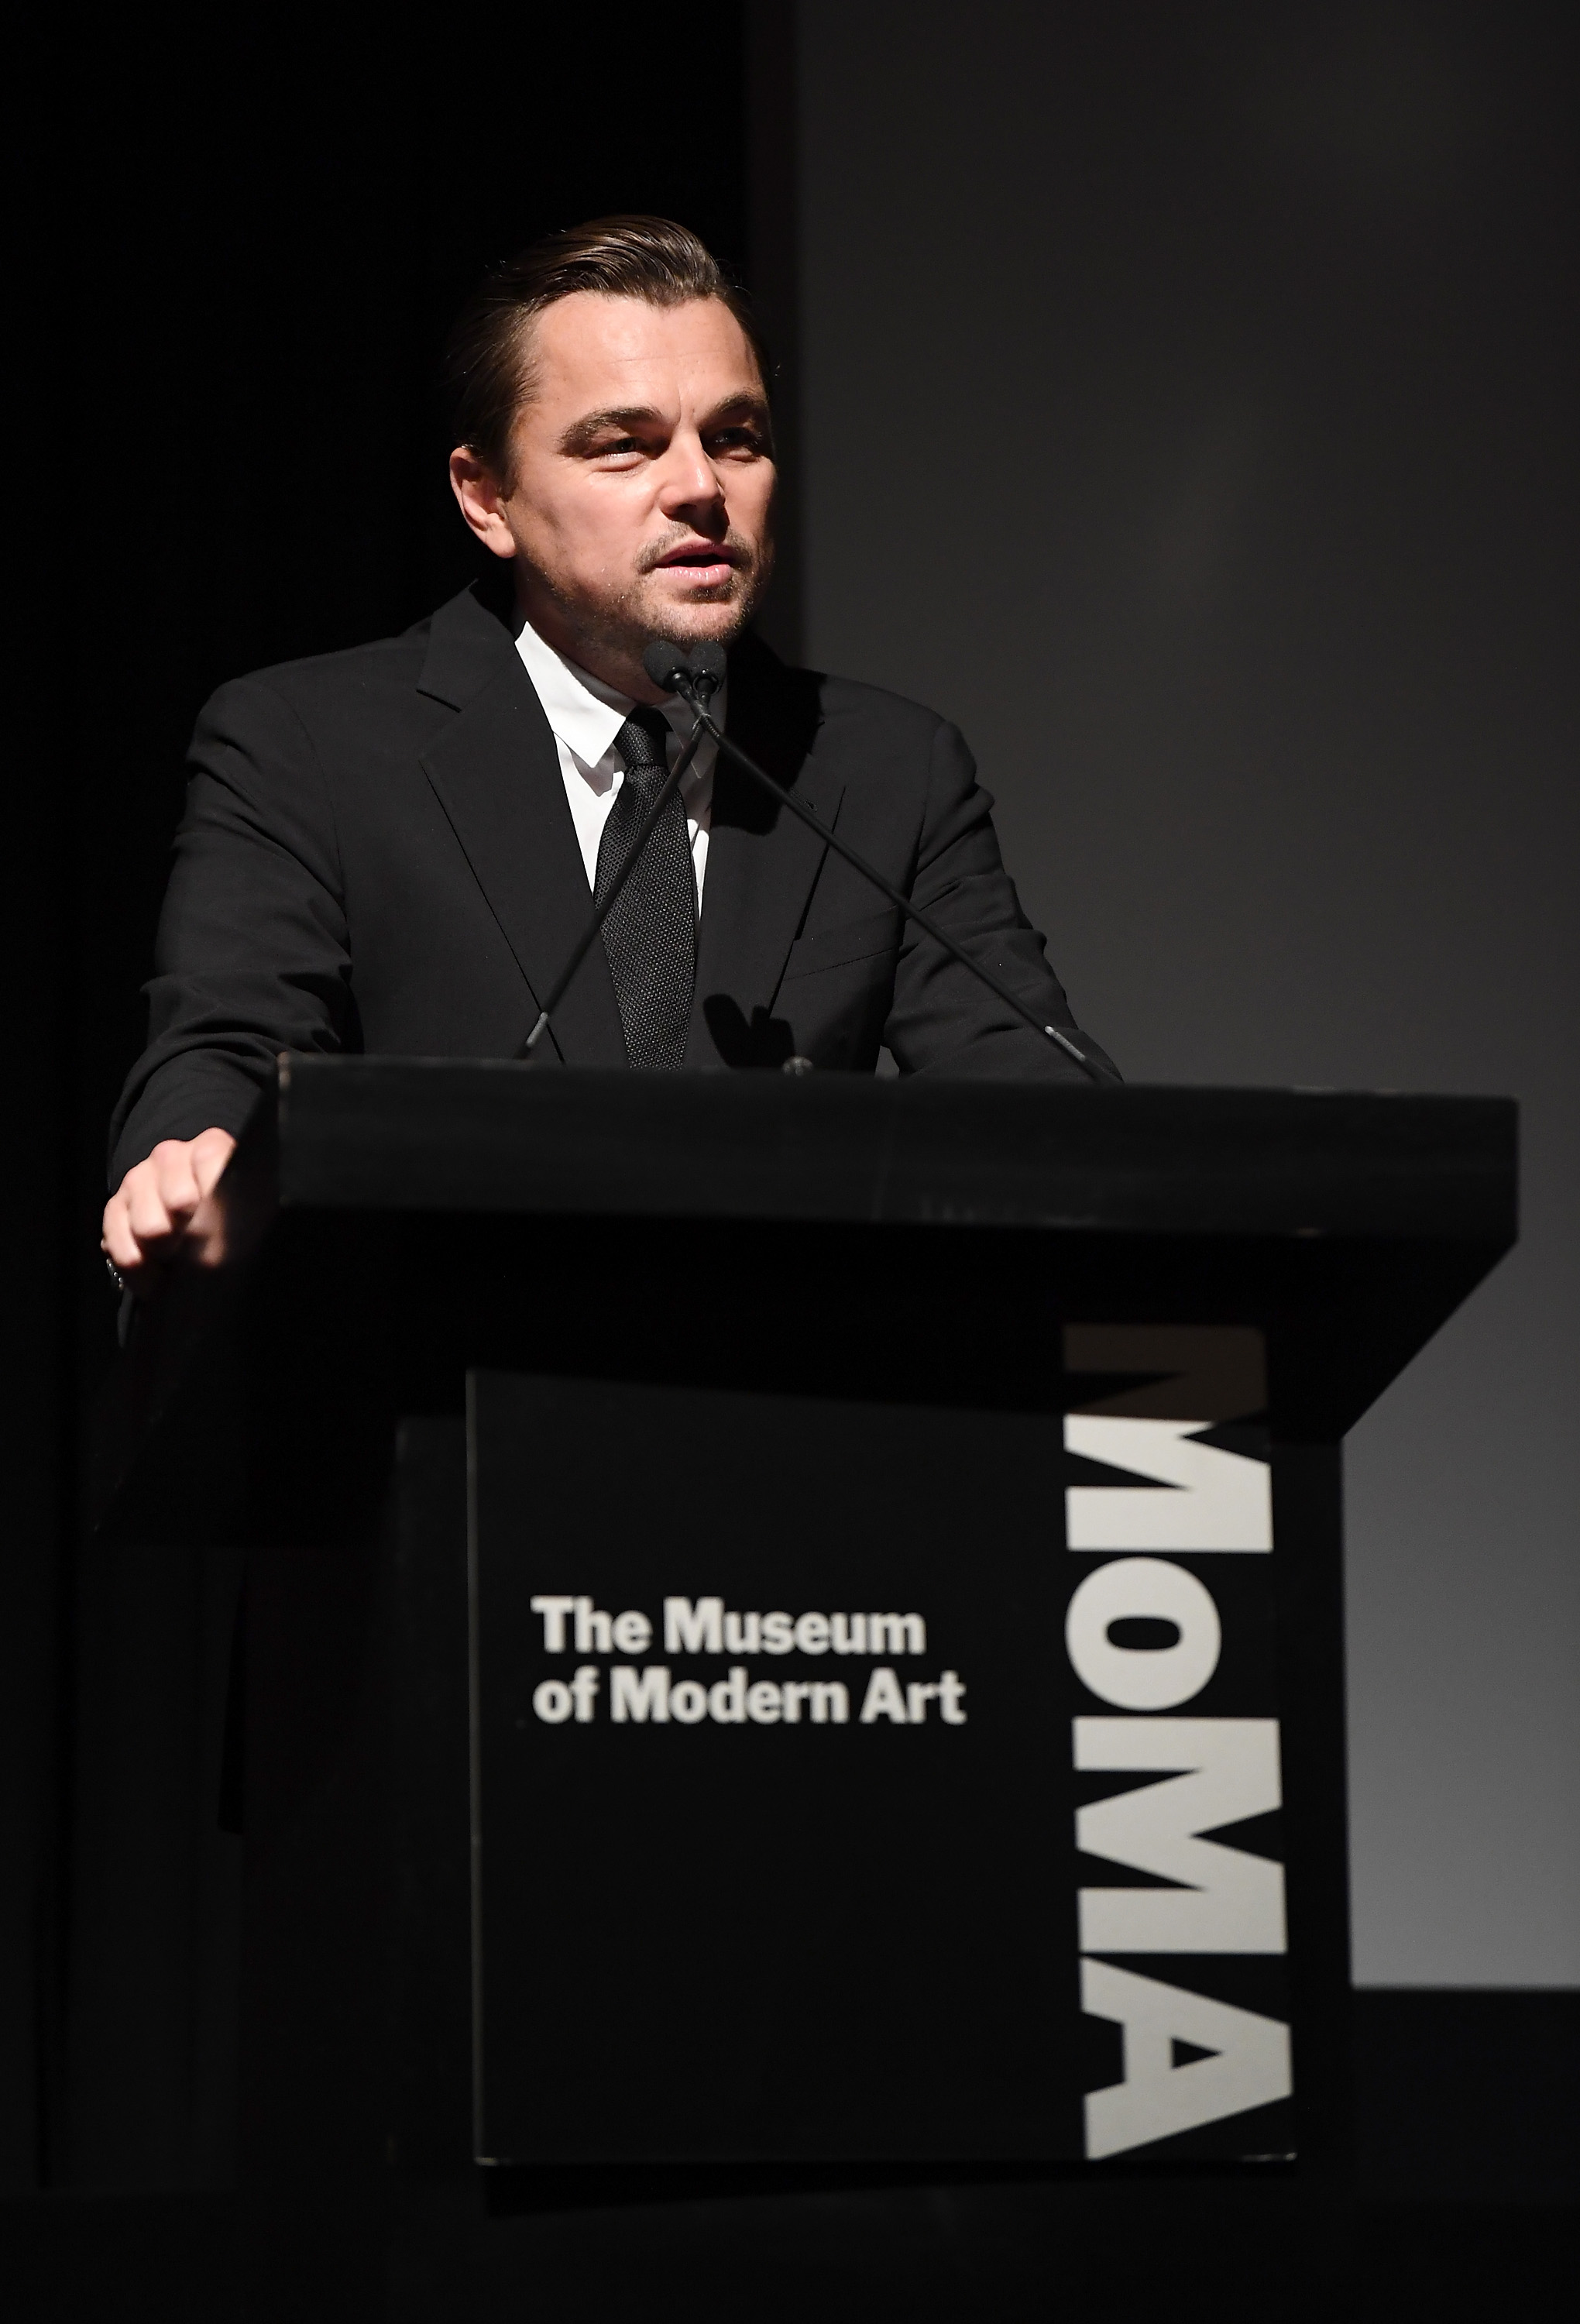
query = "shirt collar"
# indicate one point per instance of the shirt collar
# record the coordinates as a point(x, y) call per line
point(584, 712)
point(585, 715)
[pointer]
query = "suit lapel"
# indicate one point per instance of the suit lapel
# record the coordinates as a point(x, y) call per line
point(496, 771)
point(762, 860)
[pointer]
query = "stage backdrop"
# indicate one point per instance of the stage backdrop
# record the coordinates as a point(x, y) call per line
point(1187, 411)
point(246, 236)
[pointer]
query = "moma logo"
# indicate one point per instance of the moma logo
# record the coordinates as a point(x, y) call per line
point(1177, 1655)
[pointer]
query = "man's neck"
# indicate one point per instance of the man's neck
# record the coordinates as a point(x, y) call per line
point(601, 659)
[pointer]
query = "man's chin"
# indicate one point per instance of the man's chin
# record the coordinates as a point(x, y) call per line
point(696, 617)
point(682, 616)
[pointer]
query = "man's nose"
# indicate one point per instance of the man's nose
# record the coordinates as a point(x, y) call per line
point(688, 479)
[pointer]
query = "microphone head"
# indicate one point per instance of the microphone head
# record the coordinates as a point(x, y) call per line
point(707, 665)
point(667, 667)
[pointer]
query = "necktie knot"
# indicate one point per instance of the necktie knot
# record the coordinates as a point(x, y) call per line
point(642, 742)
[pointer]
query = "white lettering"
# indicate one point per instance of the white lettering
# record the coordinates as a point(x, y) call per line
point(950, 1691)
point(593, 1629)
point(1228, 1901)
point(896, 1634)
point(643, 1694)
point(688, 1702)
point(1221, 1500)
point(1142, 1678)
point(829, 1702)
point(727, 1700)
point(633, 1633)
point(696, 1629)
point(705, 1627)
point(884, 1699)
point(551, 1700)
point(763, 1702)
point(585, 1690)
point(1157, 2098)
point(553, 1611)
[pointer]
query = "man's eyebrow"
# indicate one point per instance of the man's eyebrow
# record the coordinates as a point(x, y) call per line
point(583, 434)
point(751, 403)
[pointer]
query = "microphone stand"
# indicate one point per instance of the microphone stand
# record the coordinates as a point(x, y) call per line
point(589, 937)
point(698, 690)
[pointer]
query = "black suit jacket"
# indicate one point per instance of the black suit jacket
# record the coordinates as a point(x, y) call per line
point(377, 855)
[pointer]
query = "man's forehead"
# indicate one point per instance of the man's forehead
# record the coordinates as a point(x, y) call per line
point(602, 352)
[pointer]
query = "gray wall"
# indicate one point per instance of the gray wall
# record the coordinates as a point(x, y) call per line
point(1185, 412)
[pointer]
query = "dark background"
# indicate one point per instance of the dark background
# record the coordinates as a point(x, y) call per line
point(1182, 397)
point(245, 234)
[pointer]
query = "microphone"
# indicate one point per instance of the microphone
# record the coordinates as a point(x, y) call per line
point(588, 935)
point(697, 678)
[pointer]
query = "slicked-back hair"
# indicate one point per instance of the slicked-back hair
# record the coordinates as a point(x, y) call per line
point(488, 363)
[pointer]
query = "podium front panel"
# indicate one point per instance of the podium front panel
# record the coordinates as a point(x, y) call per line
point(857, 1781)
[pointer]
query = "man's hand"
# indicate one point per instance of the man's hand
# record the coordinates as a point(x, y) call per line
point(162, 1207)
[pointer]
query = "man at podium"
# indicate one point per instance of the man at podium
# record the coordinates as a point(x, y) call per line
point(397, 849)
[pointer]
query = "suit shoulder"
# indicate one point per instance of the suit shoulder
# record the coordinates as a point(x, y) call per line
point(316, 680)
point(876, 706)
point(336, 706)
point(848, 712)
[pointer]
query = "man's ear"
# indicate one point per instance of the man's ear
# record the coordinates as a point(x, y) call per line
point(480, 501)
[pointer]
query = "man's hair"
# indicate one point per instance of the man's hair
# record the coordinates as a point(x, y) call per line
point(488, 363)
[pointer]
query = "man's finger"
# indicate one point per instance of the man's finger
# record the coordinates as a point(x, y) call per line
point(176, 1178)
point(146, 1213)
point(119, 1241)
point(210, 1154)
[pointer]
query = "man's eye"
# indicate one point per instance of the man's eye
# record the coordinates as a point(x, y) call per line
point(616, 446)
point(737, 439)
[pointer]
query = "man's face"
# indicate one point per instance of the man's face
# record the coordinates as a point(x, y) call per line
point(643, 479)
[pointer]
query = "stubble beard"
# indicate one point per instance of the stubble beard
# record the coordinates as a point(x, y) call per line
point(626, 622)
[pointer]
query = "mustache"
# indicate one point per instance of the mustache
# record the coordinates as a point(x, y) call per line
point(653, 552)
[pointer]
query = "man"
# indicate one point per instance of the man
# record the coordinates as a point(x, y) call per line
point(395, 849)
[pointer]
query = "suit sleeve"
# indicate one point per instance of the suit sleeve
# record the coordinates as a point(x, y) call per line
point(253, 954)
point(943, 1020)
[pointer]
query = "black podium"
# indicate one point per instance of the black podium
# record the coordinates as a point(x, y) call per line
point(793, 1638)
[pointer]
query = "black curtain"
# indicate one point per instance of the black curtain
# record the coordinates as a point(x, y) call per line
point(245, 234)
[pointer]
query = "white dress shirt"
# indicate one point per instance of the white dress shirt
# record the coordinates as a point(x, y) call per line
point(584, 715)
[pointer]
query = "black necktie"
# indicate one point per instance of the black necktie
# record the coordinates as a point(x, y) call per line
point(650, 935)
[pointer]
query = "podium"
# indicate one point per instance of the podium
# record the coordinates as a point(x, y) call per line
point(792, 1639)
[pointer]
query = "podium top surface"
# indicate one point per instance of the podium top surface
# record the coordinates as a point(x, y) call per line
point(422, 1135)
point(383, 1234)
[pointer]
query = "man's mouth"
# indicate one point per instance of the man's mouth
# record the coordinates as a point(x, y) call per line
point(702, 560)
